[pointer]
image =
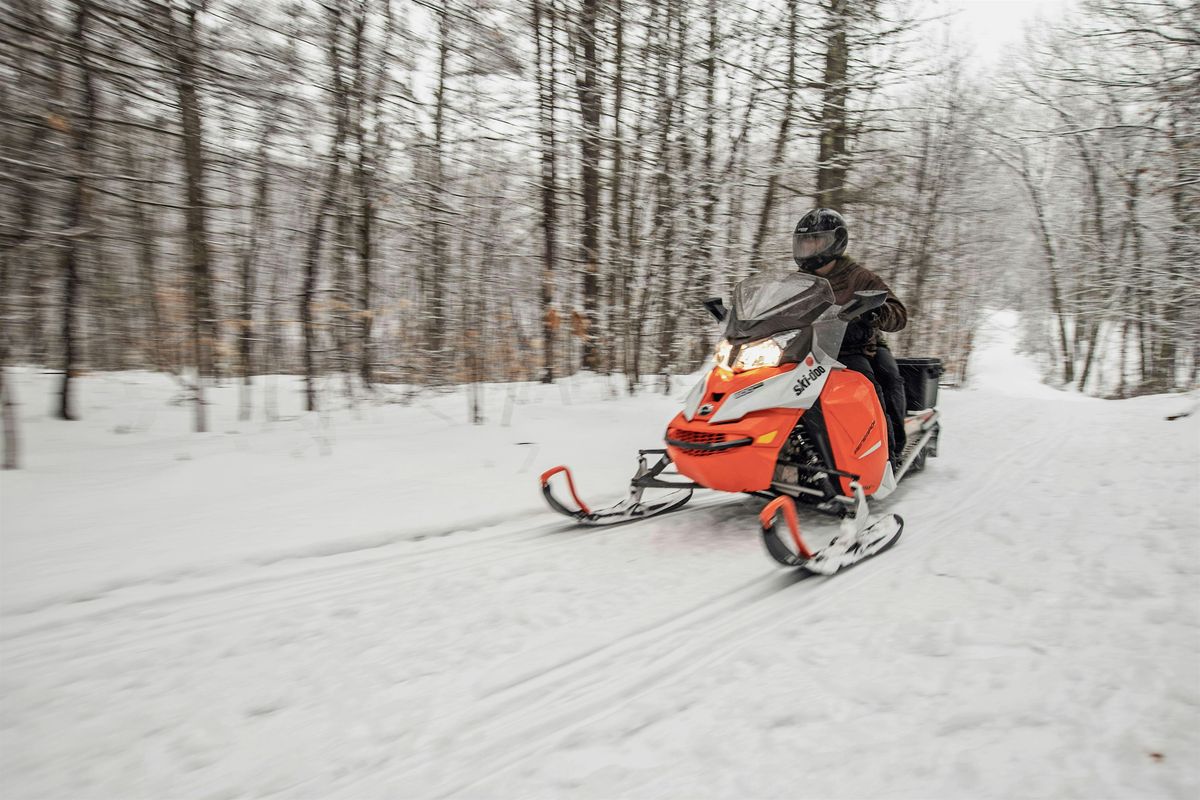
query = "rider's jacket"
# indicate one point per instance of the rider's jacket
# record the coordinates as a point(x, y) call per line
point(848, 277)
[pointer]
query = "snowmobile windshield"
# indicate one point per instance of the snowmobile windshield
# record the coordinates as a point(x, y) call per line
point(774, 294)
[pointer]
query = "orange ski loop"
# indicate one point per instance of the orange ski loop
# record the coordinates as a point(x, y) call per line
point(550, 473)
point(788, 507)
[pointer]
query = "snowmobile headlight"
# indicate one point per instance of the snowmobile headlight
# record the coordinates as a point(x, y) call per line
point(721, 357)
point(763, 353)
point(753, 355)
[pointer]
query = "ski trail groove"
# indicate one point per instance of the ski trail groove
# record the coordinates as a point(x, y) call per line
point(257, 588)
point(585, 695)
point(208, 606)
point(546, 703)
point(263, 564)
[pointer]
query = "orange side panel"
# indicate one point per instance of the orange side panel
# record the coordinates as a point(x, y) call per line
point(857, 428)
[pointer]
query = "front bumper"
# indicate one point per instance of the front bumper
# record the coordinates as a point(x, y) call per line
point(733, 456)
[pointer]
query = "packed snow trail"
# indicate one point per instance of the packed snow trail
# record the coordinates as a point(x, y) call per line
point(1035, 633)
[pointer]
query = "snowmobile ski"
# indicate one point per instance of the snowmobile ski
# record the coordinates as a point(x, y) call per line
point(857, 540)
point(632, 507)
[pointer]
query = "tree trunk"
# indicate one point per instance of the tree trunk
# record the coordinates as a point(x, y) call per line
point(781, 139)
point(77, 209)
point(832, 153)
point(439, 247)
point(705, 266)
point(8, 406)
point(144, 230)
point(316, 234)
point(618, 294)
point(248, 269)
point(364, 171)
point(668, 199)
point(1048, 251)
point(544, 54)
point(589, 109)
point(186, 50)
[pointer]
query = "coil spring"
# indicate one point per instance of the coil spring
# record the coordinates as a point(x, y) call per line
point(803, 452)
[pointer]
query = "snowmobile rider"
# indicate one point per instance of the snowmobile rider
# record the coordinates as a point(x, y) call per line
point(818, 247)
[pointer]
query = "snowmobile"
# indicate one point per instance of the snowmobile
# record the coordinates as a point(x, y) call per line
point(778, 417)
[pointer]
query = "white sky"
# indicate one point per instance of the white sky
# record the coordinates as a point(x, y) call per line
point(991, 26)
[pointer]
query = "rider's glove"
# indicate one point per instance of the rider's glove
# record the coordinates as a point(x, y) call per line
point(858, 333)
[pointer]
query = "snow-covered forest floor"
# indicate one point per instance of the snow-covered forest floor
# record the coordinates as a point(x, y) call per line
point(375, 603)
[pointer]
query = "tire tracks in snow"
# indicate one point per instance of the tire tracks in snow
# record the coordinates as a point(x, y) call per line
point(526, 715)
point(539, 709)
point(257, 586)
point(208, 606)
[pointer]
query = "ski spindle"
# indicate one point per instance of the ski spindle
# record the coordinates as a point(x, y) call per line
point(550, 473)
point(787, 506)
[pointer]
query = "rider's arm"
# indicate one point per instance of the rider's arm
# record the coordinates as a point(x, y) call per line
point(892, 315)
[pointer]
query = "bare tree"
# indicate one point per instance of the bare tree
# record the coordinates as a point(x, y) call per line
point(544, 58)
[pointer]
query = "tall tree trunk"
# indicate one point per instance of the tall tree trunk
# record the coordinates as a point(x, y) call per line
point(8, 404)
point(144, 230)
point(187, 54)
point(617, 297)
point(248, 271)
point(8, 412)
point(932, 186)
point(341, 316)
point(77, 209)
point(544, 54)
point(781, 140)
point(364, 171)
point(316, 235)
point(1056, 300)
point(439, 246)
point(589, 109)
point(709, 212)
point(832, 153)
point(1088, 327)
point(1050, 254)
point(678, 105)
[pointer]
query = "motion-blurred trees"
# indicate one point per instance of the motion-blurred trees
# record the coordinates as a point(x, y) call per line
point(374, 192)
point(1105, 145)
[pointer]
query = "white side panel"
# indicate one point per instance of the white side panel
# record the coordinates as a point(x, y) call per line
point(799, 388)
point(888, 483)
point(692, 403)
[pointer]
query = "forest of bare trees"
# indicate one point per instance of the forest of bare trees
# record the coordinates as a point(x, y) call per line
point(435, 193)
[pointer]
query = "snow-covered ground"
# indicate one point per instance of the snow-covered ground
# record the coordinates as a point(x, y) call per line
point(374, 603)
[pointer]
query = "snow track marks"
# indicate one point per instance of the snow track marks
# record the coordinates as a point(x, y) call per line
point(529, 709)
point(522, 719)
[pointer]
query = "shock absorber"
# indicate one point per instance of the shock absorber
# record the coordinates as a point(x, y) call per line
point(801, 463)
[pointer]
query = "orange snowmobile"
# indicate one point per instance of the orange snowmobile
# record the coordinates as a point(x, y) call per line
point(780, 418)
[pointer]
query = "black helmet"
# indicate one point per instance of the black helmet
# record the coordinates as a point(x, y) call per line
point(819, 238)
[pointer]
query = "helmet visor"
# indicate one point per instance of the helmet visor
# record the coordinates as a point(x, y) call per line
point(807, 245)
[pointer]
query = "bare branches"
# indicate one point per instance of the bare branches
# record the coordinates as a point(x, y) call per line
point(344, 188)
